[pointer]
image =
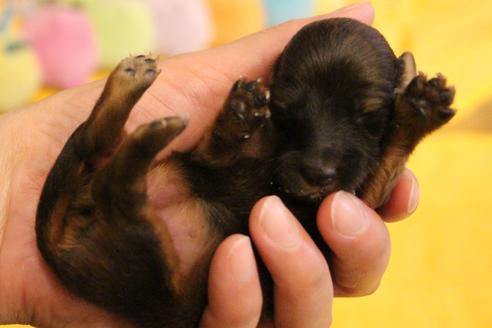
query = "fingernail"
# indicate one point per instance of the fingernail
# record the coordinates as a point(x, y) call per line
point(278, 223)
point(413, 200)
point(241, 260)
point(347, 215)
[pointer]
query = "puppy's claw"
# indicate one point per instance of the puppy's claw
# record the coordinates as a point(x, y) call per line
point(446, 113)
point(239, 84)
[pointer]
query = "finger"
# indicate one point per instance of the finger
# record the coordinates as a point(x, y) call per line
point(404, 198)
point(302, 286)
point(359, 241)
point(234, 292)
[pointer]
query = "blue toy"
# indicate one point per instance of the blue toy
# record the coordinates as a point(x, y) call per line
point(279, 11)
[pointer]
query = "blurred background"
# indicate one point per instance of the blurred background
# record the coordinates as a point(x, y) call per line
point(440, 273)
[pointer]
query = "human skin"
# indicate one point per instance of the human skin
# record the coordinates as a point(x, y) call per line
point(195, 86)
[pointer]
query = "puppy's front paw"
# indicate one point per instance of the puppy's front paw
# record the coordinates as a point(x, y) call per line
point(428, 103)
point(240, 129)
point(137, 72)
point(246, 109)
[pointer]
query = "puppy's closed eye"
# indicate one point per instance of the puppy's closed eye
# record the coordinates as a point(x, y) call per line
point(373, 122)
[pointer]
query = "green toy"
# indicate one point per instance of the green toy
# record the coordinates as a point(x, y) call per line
point(122, 27)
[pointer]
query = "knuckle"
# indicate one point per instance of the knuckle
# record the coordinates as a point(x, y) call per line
point(311, 275)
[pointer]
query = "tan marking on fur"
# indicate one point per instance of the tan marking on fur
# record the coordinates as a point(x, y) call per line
point(55, 234)
point(384, 179)
point(372, 104)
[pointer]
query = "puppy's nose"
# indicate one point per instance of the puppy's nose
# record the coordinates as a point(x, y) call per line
point(319, 175)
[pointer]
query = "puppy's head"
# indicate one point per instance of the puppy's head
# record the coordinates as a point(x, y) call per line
point(332, 96)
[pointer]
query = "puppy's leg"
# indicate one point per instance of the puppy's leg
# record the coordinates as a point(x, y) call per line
point(120, 188)
point(242, 128)
point(102, 132)
point(93, 225)
point(87, 150)
point(420, 109)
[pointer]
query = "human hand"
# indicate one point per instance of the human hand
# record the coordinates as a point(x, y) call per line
point(193, 85)
point(304, 283)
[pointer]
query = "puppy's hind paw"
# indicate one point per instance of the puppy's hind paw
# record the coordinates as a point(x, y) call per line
point(138, 71)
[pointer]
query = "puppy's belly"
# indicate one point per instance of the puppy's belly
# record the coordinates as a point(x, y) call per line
point(183, 216)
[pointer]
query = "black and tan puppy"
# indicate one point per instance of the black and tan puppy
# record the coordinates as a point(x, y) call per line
point(135, 236)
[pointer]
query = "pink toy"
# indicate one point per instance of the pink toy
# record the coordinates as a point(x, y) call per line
point(182, 25)
point(65, 45)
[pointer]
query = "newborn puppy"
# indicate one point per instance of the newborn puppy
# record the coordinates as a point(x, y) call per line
point(135, 236)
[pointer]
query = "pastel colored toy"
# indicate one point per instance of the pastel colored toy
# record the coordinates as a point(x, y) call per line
point(182, 25)
point(279, 11)
point(20, 72)
point(235, 19)
point(65, 45)
point(122, 27)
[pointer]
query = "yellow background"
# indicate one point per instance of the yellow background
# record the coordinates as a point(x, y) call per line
point(440, 273)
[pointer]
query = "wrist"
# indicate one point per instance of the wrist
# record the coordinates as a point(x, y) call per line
point(7, 167)
point(30, 139)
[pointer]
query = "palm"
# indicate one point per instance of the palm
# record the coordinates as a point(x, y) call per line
point(180, 90)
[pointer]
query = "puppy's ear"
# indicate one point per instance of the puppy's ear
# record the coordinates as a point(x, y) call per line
point(408, 70)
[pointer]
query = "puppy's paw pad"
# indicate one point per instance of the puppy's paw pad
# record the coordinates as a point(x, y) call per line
point(245, 111)
point(248, 101)
point(130, 71)
point(141, 70)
